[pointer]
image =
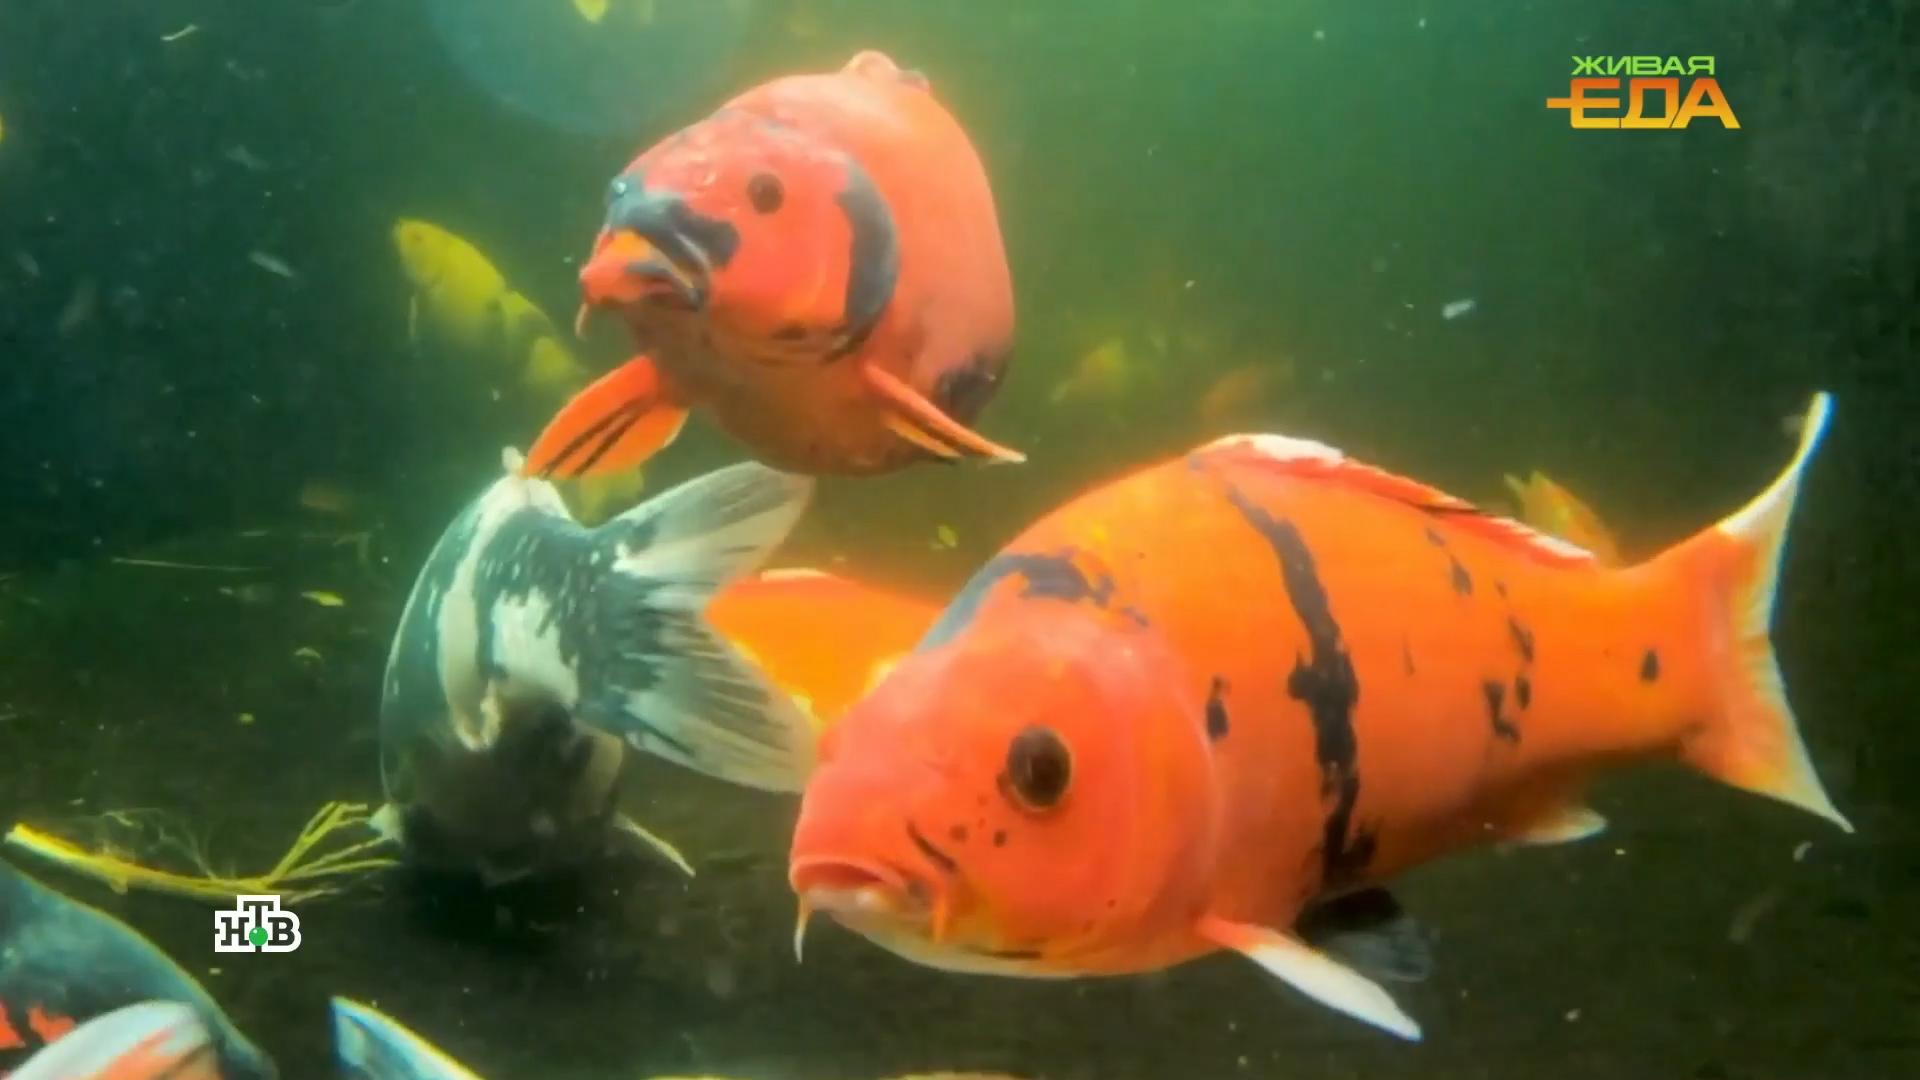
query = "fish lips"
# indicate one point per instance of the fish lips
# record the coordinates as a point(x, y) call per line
point(655, 248)
point(630, 268)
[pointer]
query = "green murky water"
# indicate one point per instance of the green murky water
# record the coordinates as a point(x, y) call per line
point(1220, 216)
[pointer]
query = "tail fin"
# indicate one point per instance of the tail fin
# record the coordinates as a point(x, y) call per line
point(663, 678)
point(1753, 742)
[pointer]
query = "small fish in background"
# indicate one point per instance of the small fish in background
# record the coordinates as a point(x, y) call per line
point(460, 298)
point(1101, 374)
point(1088, 767)
point(831, 289)
point(1241, 393)
point(533, 652)
point(1551, 508)
point(79, 308)
point(327, 497)
point(1458, 309)
point(591, 10)
point(71, 972)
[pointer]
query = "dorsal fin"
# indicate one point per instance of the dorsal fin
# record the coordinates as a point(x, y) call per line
point(1314, 460)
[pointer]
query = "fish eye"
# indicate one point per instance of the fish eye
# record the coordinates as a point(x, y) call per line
point(618, 188)
point(765, 192)
point(1038, 768)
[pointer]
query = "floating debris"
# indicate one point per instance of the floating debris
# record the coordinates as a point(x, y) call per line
point(324, 598)
point(1458, 308)
point(186, 31)
point(272, 264)
point(944, 537)
point(1750, 914)
point(168, 564)
point(245, 158)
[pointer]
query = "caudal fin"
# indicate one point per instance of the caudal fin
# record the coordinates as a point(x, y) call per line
point(661, 676)
point(370, 1045)
point(1752, 741)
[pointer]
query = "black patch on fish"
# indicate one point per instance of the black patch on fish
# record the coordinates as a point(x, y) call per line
point(791, 332)
point(668, 223)
point(1048, 577)
point(1522, 638)
point(1462, 581)
point(1325, 682)
point(1435, 538)
point(999, 838)
point(965, 390)
point(940, 858)
point(1522, 691)
point(1496, 696)
point(1369, 931)
point(1406, 654)
point(1501, 588)
point(1650, 666)
point(1217, 710)
point(873, 261)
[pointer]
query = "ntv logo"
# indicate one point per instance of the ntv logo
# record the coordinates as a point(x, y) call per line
point(256, 924)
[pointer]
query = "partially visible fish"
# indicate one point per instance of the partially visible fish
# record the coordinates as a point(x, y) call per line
point(66, 967)
point(370, 1045)
point(531, 647)
point(149, 1040)
point(1554, 510)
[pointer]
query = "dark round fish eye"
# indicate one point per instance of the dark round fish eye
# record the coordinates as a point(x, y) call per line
point(765, 193)
point(1039, 768)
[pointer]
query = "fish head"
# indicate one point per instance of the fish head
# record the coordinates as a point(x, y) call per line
point(420, 245)
point(777, 239)
point(1030, 797)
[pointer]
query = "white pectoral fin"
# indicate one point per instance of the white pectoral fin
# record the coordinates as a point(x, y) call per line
point(1312, 972)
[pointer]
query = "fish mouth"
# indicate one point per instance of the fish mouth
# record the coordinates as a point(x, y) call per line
point(858, 887)
point(865, 895)
point(660, 266)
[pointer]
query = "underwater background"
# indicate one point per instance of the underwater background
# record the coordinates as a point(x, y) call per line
point(1225, 215)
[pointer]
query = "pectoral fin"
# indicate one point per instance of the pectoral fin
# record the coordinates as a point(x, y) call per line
point(1311, 972)
point(920, 422)
point(626, 416)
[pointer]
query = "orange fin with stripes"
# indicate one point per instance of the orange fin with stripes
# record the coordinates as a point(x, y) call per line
point(920, 422)
point(625, 417)
point(1318, 461)
point(1750, 739)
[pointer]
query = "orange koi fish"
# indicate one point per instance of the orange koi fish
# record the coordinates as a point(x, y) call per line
point(1111, 756)
point(819, 266)
point(1554, 510)
point(777, 618)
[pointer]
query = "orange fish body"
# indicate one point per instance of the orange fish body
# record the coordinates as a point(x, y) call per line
point(1554, 510)
point(1112, 756)
point(822, 638)
point(818, 265)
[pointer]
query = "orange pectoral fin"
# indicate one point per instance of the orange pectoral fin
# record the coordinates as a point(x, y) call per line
point(920, 422)
point(626, 416)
